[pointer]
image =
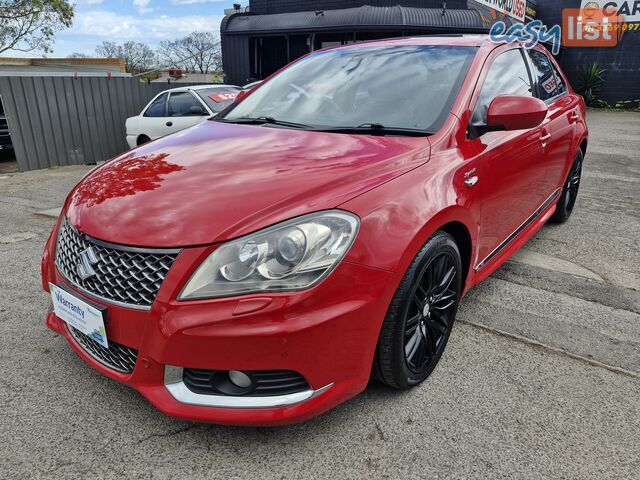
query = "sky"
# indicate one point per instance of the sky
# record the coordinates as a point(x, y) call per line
point(147, 21)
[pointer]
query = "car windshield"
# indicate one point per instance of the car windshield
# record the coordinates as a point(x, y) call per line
point(217, 99)
point(376, 87)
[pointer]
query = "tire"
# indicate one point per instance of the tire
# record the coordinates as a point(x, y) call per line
point(570, 190)
point(417, 326)
point(142, 139)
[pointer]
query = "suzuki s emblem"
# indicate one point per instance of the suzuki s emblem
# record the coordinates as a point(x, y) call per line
point(87, 260)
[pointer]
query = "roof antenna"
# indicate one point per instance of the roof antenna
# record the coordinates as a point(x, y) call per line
point(444, 8)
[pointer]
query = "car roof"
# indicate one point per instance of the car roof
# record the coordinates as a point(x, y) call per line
point(201, 87)
point(213, 85)
point(429, 40)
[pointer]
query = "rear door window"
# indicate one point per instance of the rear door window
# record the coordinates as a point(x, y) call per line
point(508, 75)
point(550, 83)
point(562, 86)
point(157, 107)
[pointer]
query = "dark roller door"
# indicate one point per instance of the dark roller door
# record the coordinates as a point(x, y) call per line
point(298, 46)
point(274, 54)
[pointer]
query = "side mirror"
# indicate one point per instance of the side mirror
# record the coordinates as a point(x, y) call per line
point(197, 110)
point(513, 112)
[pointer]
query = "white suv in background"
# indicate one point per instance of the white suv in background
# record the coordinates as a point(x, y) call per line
point(176, 109)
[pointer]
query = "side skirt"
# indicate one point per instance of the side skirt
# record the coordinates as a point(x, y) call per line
point(517, 239)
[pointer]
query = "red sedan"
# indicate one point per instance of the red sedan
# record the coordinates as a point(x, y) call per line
point(260, 267)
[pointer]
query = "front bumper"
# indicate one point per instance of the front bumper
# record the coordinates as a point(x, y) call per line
point(173, 381)
point(327, 334)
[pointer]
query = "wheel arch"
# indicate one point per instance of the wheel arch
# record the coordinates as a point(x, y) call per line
point(406, 213)
point(385, 363)
point(583, 146)
point(462, 237)
point(454, 220)
point(139, 138)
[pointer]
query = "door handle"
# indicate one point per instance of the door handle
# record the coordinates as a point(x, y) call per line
point(169, 124)
point(544, 138)
point(574, 117)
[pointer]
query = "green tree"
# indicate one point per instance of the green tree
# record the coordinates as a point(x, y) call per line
point(28, 25)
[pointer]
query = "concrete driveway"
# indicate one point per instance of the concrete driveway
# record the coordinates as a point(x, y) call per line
point(541, 378)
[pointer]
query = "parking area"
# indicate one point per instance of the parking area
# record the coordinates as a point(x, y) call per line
point(541, 378)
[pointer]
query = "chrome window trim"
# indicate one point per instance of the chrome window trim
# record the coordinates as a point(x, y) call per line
point(179, 391)
point(519, 230)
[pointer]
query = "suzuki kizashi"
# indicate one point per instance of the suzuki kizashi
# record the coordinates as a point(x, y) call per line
point(260, 267)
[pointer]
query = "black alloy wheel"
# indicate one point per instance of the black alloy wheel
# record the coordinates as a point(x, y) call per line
point(430, 315)
point(570, 191)
point(421, 315)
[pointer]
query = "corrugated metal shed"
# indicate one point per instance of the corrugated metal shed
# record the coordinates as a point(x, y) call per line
point(65, 121)
point(366, 17)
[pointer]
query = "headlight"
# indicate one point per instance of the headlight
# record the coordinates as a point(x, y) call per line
point(293, 255)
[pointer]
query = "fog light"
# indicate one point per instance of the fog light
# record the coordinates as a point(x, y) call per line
point(239, 379)
point(232, 382)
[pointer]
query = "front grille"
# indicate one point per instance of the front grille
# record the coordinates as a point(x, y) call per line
point(266, 382)
point(117, 357)
point(125, 275)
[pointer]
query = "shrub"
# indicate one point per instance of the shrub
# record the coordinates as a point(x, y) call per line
point(590, 84)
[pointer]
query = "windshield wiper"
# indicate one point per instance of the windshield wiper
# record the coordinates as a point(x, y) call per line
point(263, 121)
point(377, 129)
point(363, 129)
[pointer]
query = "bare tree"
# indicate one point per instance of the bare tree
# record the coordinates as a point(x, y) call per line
point(108, 50)
point(78, 55)
point(27, 25)
point(137, 56)
point(197, 52)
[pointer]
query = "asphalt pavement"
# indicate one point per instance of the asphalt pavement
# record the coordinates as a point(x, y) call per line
point(541, 378)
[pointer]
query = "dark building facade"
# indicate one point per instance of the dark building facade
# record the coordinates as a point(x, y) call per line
point(272, 33)
point(622, 63)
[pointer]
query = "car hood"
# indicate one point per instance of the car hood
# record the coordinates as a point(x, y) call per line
point(217, 181)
